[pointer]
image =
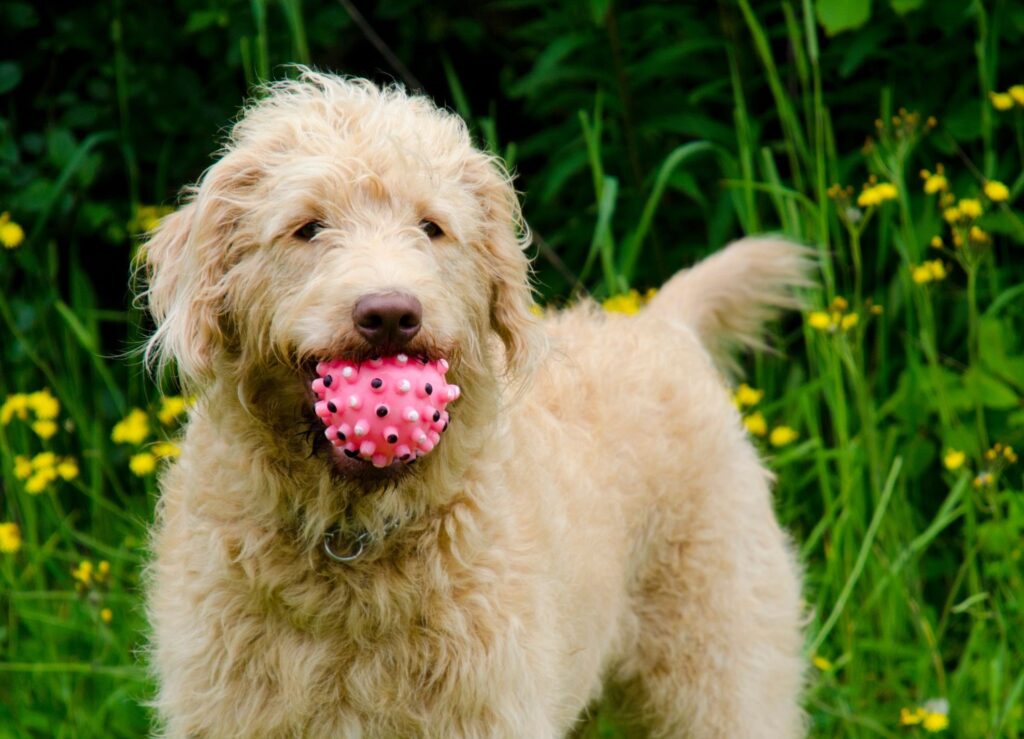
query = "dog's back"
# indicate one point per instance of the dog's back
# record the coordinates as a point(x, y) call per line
point(655, 505)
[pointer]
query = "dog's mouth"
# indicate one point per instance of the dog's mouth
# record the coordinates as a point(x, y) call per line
point(373, 417)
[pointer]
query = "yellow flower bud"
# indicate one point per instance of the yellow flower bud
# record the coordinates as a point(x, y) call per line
point(783, 435)
point(819, 320)
point(1001, 100)
point(756, 424)
point(997, 192)
point(954, 459)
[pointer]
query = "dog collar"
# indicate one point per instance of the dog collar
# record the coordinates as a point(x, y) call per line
point(355, 546)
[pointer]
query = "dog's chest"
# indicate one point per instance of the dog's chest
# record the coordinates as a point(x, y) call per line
point(395, 652)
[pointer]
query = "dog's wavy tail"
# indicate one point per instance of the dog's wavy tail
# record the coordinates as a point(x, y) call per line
point(728, 297)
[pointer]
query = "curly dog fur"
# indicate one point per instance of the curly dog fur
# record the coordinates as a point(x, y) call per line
point(594, 519)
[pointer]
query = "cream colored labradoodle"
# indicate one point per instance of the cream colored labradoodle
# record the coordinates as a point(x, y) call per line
point(594, 520)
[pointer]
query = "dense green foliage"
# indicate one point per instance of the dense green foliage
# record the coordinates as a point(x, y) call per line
point(645, 135)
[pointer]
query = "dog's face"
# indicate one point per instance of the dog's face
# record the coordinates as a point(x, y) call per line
point(342, 221)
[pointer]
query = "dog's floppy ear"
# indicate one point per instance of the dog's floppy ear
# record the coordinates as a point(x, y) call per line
point(506, 237)
point(184, 268)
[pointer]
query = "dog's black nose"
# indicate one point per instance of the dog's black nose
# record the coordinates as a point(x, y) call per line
point(388, 319)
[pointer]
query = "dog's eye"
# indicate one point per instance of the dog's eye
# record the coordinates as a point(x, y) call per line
point(309, 230)
point(431, 229)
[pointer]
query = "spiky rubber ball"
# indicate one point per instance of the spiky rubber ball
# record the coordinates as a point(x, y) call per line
point(384, 409)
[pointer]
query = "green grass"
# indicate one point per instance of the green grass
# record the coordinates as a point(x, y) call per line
point(914, 575)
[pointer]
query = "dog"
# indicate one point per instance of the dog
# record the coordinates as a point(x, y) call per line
point(593, 522)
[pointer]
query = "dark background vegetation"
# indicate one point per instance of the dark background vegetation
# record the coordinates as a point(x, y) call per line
point(165, 80)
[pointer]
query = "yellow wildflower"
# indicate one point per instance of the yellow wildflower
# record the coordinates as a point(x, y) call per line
point(951, 214)
point(912, 716)
point(849, 321)
point(165, 449)
point(935, 722)
point(40, 480)
point(536, 310)
point(931, 271)
point(171, 406)
point(45, 406)
point(935, 183)
point(45, 429)
point(873, 195)
point(1010, 455)
point(984, 479)
point(755, 424)
point(142, 464)
point(877, 310)
point(101, 572)
point(11, 234)
point(67, 468)
point(44, 460)
point(936, 715)
point(887, 191)
point(954, 459)
point(83, 573)
point(970, 207)
point(978, 236)
point(10, 537)
point(1017, 93)
point(821, 663)
point(782, 435)
point(628, 303)
point(14, 405)
point(132, 429)
point(44, 469)
point(1001, 100)
point(22, 467)
point(936, 242)
point(820, 320)
point(147, 218)
point(996, 191)
point(747, 396)
point(106, 615)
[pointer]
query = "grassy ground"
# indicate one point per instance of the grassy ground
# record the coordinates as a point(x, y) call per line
point(890, 413)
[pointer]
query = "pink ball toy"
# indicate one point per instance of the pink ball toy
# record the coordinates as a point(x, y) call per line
point(384, 409)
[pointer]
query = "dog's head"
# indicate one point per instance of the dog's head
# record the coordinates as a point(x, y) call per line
point(342, 220)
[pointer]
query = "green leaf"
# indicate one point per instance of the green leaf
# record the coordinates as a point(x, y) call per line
point(902, 7)
point(1006, 223)
point(599, 11)
point(632, 247)
point(10, 76)
point(61, 146)
point(836, 16)
point(963, 121)
point(994, 341)
point(989, 391)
